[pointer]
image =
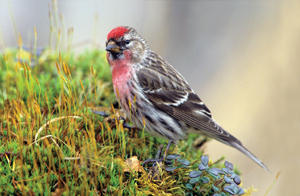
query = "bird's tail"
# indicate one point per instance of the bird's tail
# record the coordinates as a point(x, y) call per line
point(226, 138)
point(211, 128)
point(245, 151)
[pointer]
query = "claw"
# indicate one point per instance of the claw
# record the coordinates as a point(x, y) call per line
point(159, 158)
point(158, 161)
point(152, 160)
point(101, 113)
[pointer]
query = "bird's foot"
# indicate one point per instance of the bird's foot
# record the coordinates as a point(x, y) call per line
point(158, 158)
point(157, 164)
point(158, 161)
point(154, 161)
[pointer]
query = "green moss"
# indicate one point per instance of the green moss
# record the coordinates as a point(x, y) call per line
point(78, 152)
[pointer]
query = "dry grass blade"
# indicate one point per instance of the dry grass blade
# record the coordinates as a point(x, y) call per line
point(51, 121)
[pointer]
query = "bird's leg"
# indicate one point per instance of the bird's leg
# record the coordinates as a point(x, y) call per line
point(159, 157)
point(101, 113)
point(167, 149)
point(158, 154)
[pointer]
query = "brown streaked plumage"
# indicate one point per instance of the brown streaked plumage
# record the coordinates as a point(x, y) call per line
point(162, 100)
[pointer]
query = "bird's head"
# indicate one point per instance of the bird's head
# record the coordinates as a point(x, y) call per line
point(124, 43)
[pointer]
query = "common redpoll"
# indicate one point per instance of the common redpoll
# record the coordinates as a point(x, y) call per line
point(155, 96)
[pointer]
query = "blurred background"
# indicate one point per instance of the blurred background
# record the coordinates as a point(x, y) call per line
point(241, 56)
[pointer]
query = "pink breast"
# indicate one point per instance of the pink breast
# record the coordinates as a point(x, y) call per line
point(120, 76)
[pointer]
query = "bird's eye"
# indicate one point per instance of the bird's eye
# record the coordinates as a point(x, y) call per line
point(124, 43)
point(127, 42)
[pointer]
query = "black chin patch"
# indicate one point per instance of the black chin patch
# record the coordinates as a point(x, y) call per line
point(116, 55)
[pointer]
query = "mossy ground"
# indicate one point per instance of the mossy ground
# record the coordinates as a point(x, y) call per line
point(52, 143)
point(78, 151)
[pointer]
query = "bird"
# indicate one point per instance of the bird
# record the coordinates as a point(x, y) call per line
point(156, 96)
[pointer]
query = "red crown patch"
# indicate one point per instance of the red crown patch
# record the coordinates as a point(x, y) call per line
point(117, 32)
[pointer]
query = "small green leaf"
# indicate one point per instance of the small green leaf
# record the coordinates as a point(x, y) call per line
point(189, 186)
point(195, 174)
point(194, 180)
point(204, 179)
